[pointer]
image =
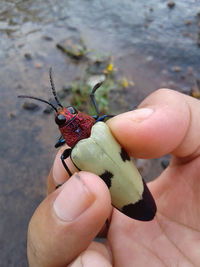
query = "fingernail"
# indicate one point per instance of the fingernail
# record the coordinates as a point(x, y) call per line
point(57, 172)
point(73, 200)
point(140, 114)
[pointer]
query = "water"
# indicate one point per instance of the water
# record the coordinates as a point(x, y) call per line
point(146, 39)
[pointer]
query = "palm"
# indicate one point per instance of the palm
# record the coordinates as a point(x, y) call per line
point(173, 238)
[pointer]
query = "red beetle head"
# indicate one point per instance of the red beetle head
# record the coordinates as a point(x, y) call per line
point(73, 125)
point(65, 115)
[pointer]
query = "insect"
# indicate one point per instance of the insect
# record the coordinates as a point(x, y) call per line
point(93, 148)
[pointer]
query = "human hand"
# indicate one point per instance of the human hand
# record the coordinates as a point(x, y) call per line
point(63, 227)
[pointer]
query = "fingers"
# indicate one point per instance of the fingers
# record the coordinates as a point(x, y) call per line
point(67, 221)
point(96, 255)
point(165, 122)
point(58, 175)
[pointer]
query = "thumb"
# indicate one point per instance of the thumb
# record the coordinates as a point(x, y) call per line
point(67, 221)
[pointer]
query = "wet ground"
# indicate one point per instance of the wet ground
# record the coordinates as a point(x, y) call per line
point(153, 44)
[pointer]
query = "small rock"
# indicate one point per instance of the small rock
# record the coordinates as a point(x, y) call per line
point(47, 38)
point(171, 4)
point(93, 80)
point(188, 22)
point(195, 92)
point(48, 110)
point(149, 58)
point(12, 115)
point(19, 86)
point(38, 65)
point(20, 45)
point(176, 68)
point(29, 106)
point(73, 47)
point(28, 56)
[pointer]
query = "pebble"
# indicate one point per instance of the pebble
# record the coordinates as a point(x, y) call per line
point(19, 86)
point(47, 38)
point(195, 92)
point(171, 4)
point(94, 79)
point(12, 115)
point(176, 68)
point(48, 110)
point(29, 106)
point(38, 65)
point(149, 58)
point(28, 56)
point(187, 22)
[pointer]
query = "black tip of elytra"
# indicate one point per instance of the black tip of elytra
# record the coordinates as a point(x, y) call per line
point(143, 210)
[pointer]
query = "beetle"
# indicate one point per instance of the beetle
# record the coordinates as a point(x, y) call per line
point(93, 148)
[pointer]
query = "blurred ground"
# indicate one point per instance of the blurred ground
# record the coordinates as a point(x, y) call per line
point(153, 44)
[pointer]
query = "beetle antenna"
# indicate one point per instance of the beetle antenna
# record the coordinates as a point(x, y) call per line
point(92, 96)
point(39, 99)
point(53, 88)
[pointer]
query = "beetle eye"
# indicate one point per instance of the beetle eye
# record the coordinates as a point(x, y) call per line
point(60, 119)
point(72, 110)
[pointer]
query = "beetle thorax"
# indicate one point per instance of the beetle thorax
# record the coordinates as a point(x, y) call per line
point(77, 129)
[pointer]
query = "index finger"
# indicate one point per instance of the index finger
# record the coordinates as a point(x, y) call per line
point(165, 122)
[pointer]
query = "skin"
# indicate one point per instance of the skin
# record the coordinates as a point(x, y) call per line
point(171, 239)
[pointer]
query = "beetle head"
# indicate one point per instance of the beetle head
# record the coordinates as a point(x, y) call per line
point(65, 115)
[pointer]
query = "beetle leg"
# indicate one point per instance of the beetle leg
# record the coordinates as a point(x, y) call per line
point(92, 96)
point(65, 155)
point(60, 142)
